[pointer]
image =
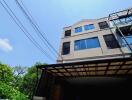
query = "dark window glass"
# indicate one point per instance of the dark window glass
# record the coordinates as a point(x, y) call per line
point(111, 41)
point(103, 25)
point(78, 29)
point(66, 48)
point(87, 43)
point(68, 33)
point(89, 27)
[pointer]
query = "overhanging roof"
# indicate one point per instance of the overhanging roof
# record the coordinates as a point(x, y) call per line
point(108, 67)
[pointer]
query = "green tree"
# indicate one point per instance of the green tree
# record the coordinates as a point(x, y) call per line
point(17, 83)
point(29, 80)
point(7, 88)
point(8, 92)
point(6, 74)
point(18, 73)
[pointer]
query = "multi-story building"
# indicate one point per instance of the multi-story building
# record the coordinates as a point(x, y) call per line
point(95, 59)
point(93, 39)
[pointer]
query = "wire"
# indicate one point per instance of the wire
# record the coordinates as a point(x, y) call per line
point(36, 27)
point(28, 12)
point(33, 25)
point(27, 34)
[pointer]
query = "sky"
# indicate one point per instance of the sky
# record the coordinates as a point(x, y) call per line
point(51, 16)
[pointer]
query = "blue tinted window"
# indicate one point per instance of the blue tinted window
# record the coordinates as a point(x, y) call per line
point(80, 44)
point(87, 43)
point(78, 29)
point(89, 27)
point(129, 40)
point(92, 43)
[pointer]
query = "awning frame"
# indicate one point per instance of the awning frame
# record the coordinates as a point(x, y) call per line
point(107, 67)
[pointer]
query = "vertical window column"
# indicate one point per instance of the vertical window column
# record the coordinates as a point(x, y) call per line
point(66, 48)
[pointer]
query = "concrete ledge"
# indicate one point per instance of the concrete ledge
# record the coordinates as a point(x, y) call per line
point(39, 98)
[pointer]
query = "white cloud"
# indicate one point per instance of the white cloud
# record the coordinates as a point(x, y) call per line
point(5, 45)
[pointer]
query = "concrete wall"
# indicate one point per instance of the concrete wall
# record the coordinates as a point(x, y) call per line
point(93, 52)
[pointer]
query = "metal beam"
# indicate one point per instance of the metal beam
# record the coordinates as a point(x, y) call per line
point(87, 62)
point(107, 68)
point(120, 67)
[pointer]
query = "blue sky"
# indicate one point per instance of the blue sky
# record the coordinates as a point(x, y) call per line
point(52, 16)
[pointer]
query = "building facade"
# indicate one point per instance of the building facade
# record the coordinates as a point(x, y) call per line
point(94, 39)
point(95, 58)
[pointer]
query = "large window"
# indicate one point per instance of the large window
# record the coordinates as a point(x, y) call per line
point(87, 43)
point(103, 25)
point(78, 29)
point(111, 41)
point(66, 48)
point(67, 33)
point(89, 27)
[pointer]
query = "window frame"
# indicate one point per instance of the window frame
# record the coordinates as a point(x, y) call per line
point(86, 44)
point(89, 27)
point(108, 44)
point(65, 50)
point(67, 33)
point(78, 29)
point(102, 25)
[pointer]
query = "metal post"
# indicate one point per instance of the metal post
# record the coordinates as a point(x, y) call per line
point(119, 19)
point(35, 87)
point(127, 14)
point(128, 17)
point(37, 75)
point(109, 23)
point(123, 36)
point(110, 27)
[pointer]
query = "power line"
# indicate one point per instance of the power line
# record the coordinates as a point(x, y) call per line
point(28, 13)
point(33, 25)
point(23, 29)
point(36, 27)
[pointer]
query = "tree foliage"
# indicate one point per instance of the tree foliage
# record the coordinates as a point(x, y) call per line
point(18, 73)
point(7, 88)
point(17, 83)
point(8, 92)
point(18, 70)
point(29, 80)
point(6, 74)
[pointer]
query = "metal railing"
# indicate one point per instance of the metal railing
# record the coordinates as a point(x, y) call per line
point(125, 14)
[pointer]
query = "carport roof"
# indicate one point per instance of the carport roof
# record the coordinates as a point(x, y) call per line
point(105, 67)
